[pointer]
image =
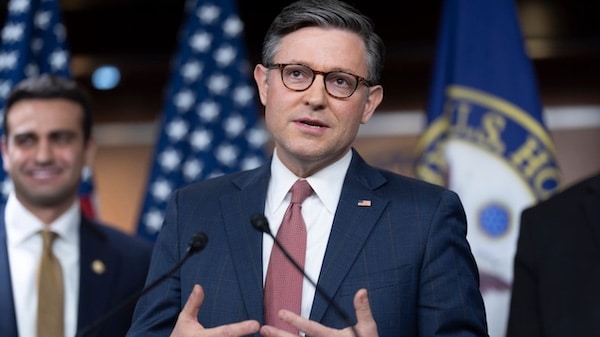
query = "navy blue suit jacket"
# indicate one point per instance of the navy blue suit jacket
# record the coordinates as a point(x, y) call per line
point(126, 259)
point(556, 285)
point(409, 249)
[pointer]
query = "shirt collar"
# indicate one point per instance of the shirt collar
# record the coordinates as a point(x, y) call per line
point(327, 182)
point(22, 224)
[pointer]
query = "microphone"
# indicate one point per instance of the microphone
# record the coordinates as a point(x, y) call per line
point(261, 224)
point(196, 244)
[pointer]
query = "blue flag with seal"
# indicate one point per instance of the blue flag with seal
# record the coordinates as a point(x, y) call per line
point(34, 42)
point(209, 125)
point(486, 139)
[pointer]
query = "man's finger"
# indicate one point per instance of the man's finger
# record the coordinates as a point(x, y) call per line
point(193, 303)
point(366, 325)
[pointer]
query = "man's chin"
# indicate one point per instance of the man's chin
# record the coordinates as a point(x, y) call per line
point(48, 198)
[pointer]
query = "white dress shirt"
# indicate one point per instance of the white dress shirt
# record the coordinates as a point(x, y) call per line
point(24, 251)
point(318, 211)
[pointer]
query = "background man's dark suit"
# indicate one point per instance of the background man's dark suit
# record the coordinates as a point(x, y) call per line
point(126, 261)
point(556, 289)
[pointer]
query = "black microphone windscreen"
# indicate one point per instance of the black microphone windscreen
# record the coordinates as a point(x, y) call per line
point(197, 242)
point(260, 223)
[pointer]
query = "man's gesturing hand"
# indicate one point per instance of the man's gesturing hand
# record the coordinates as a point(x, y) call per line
point(365, 326)
point(188, 325)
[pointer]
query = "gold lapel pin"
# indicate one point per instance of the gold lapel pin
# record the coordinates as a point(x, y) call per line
point(98, 267)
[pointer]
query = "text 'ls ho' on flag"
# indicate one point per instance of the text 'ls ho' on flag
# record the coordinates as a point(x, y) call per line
point(209, 125)
point(34, 42)
point(486, 139)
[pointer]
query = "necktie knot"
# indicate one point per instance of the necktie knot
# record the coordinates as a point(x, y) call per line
point(300, 191)
point(48, 237)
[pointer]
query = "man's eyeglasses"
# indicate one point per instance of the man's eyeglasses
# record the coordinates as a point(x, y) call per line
point(338, 84)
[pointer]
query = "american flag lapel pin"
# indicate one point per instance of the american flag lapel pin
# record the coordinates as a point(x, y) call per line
point(364, 203)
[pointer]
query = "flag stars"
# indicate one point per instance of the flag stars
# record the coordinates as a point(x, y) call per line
point(208, 14)
point(184, 100)
point(191, 71)
point(251, 162)
point(234, 125)
point(214, 174)
point(5, 87)
point(225, 55)
point(153, 220)
point(169, 159)
point(12, 32)
point(208, 110)
point(243, 95)
point(18, 6)
point(177, 129)
point(233, 26)
point(32, 69)
point(7, 186)
point(60, 32)
point(257, 137)
point(218, 84)
point(161, 189)
point(226, 154)
point(201, 139)
point(192, 169)
point(200, 41)
point(42, 20)
point(8, 60)
point(36, 44)
point(58, 59)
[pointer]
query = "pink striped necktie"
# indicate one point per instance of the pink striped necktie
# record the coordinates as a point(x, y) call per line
point(283, 285)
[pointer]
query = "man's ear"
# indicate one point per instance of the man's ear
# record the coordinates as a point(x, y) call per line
point(374, 98)
point(261, 78)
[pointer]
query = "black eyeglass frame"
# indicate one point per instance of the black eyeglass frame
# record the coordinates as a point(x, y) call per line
point(281, 66)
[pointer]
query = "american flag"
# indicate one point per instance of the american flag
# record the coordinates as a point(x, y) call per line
point(34, 42)
point(209, 125)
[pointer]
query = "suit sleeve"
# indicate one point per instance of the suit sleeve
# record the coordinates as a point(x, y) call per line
point(156, 312)
point(450, 303)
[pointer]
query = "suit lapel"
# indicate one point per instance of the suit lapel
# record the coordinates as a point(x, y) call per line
point(95, 271)
point(357, 213)
point(244, 240)
point(8, 320)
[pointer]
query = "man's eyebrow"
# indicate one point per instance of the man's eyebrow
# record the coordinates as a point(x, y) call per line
point(50, 134)
point(62, 131)
point(24, 134)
